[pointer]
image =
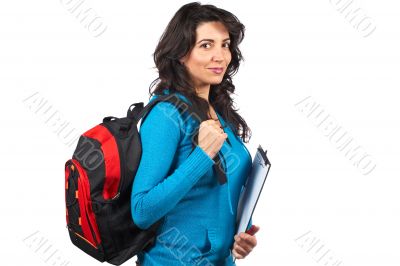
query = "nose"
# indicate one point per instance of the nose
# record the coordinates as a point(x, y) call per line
point(218, 55)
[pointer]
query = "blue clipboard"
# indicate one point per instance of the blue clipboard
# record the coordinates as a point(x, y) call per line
point(252, 190)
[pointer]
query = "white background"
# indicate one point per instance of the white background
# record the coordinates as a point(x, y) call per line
point(292, 49)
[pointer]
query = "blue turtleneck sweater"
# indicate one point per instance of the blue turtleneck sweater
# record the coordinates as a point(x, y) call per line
point(179, 185)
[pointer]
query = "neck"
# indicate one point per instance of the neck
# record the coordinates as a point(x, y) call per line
point(203, 92)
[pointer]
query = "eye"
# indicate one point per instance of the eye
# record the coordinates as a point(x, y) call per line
point(203, 45)
point(227, 44)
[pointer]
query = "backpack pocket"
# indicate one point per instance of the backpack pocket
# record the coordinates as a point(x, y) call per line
point(81, 221)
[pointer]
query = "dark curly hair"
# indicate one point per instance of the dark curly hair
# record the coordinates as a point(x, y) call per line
point(178, 40)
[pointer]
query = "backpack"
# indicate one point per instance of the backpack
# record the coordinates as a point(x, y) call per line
point(98, 185)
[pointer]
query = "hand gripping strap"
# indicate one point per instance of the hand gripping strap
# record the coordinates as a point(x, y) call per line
point(182, 106)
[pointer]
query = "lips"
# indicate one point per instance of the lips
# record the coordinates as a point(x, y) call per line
point(217, 70)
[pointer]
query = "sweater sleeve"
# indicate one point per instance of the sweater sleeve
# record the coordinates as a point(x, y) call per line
point(154, 193)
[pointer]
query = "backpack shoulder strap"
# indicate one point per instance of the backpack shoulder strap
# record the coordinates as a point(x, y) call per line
point(183, 107)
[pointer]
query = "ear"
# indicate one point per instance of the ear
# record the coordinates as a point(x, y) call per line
point(182, 60)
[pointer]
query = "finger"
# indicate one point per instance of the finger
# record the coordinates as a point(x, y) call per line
point(210, 128)
point(246, 247)
point(240, 250)
point(236, 255)
point(208, 140)
point(215, 127)
point(218, 129)
point(222, 137)
point(246, 241)
point(206, 123)
point(216, 123)
point(219, 132)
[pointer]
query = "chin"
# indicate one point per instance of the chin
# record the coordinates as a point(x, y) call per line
point(216, 81)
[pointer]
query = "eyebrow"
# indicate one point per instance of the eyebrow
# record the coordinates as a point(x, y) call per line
point(211, 40)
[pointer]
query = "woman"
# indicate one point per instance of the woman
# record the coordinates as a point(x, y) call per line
point(196, 57)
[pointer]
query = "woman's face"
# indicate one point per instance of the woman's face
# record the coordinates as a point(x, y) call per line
point(209, 58)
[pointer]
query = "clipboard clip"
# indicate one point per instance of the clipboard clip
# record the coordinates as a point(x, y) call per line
point(263, 156)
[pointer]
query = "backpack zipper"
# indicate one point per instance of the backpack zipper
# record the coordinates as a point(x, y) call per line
point(82, 179)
